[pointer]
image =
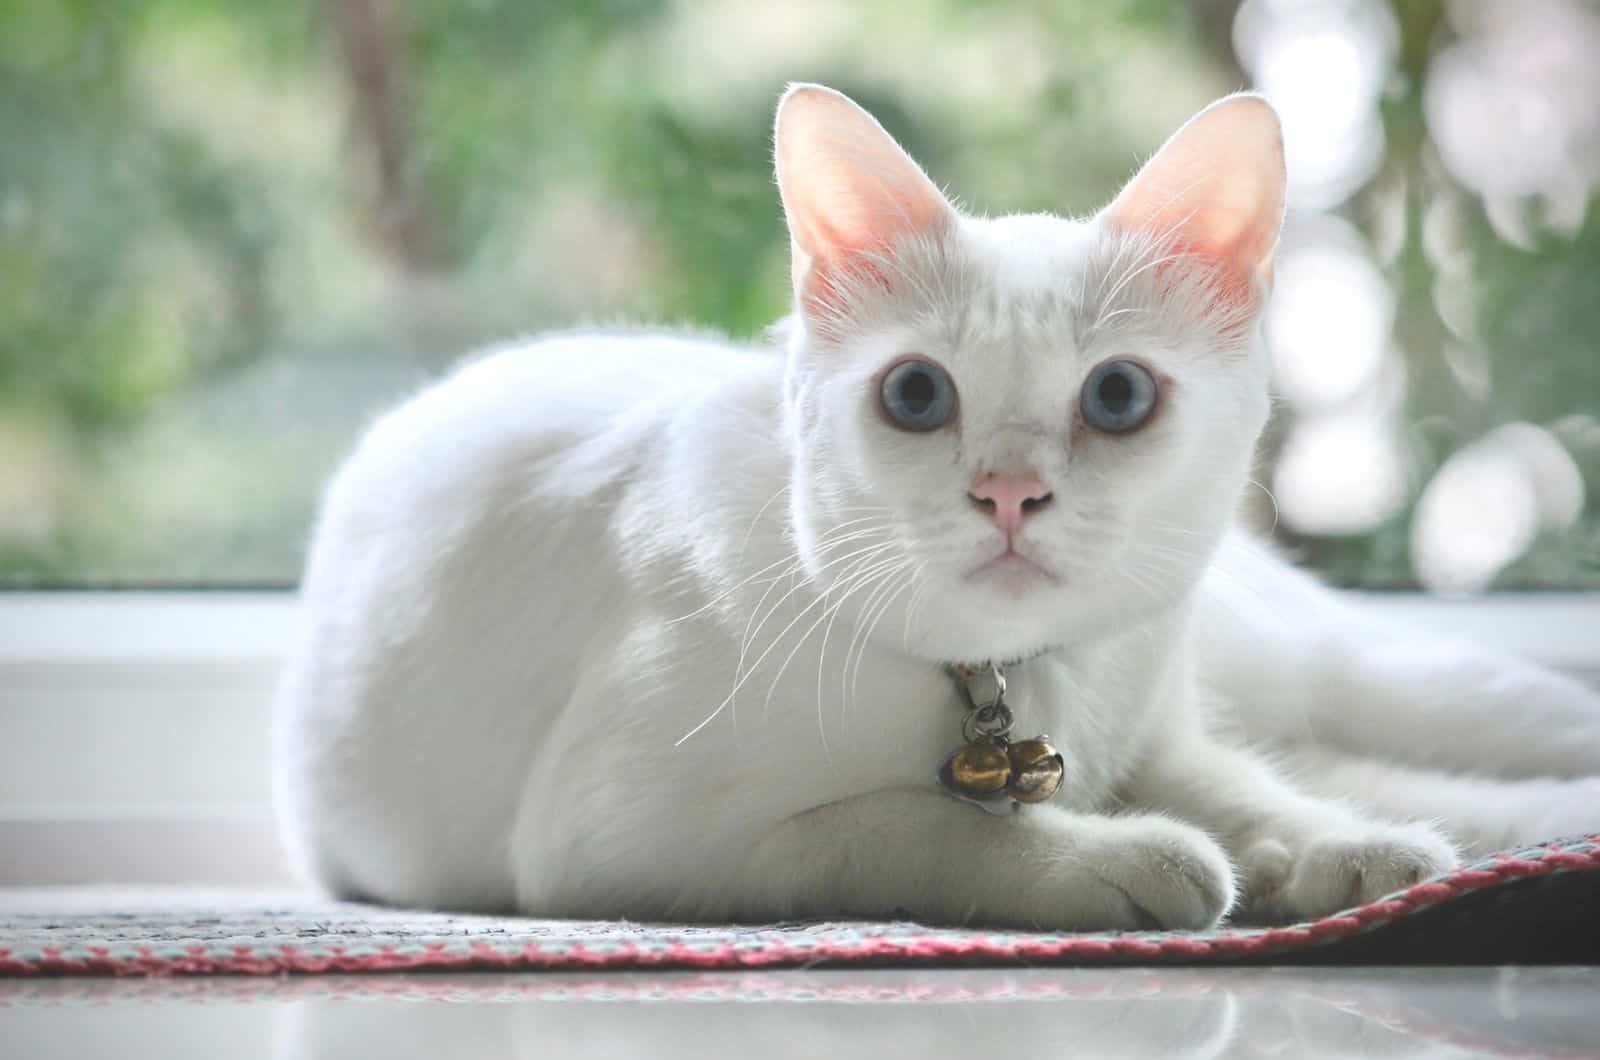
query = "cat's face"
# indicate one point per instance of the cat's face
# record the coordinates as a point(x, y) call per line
point(1009, 433)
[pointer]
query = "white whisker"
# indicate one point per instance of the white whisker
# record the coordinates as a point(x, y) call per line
point(877, 617)
point(822, 654)
point(740, 674)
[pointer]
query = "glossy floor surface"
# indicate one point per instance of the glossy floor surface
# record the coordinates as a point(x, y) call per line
point(1280, 1012)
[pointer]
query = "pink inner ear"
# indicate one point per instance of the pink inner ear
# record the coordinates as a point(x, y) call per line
point(1228, 280)
point(1214, 191)
point(827, 283)
point(851, 222)
point(849, 192)
point(857, 253)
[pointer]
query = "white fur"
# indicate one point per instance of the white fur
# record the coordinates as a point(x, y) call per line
point(649, 626)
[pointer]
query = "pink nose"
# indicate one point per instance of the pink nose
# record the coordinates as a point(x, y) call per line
point(1008, 497)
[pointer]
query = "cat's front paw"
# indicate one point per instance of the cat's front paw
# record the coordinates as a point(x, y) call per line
point(1162, 874)
point(1304, 878)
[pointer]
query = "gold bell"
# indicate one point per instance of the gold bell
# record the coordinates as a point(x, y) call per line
point(1036, 770)
point(978, 771)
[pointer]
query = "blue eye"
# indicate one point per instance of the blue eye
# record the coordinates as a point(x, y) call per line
point(1118, 397)
point(918, 395)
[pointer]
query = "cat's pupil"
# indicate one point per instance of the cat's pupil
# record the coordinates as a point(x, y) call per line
point(1116, 392)
point(918, 392)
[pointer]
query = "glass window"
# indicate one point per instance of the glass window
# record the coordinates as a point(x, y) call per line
point(231, 232)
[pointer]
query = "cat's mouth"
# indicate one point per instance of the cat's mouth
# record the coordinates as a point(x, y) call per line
point(1014, 569)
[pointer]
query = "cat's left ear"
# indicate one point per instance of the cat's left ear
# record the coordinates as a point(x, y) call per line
point(1215, 190)
point(849, 191)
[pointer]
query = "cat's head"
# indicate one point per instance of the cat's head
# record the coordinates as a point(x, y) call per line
point(1023, 429)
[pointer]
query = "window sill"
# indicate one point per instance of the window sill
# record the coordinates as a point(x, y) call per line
point(130, 720)
point(252, 629)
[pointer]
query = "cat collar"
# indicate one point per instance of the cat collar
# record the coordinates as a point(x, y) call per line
point(990, 770)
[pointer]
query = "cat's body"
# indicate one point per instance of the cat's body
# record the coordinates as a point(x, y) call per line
point(650, 626)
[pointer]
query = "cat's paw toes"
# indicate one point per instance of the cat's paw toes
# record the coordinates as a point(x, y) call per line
point(1168, 876)
point(1338, 871)
point(1264, 868)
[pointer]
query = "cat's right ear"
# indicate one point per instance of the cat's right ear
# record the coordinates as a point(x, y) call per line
point(849, 191)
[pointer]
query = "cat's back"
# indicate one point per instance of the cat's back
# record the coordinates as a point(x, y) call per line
point(554, 422)
point(552, 391)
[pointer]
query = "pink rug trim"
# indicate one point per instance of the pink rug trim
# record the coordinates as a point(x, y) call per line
point(440, 942)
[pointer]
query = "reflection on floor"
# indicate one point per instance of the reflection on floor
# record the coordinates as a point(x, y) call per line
point(1280, 1012)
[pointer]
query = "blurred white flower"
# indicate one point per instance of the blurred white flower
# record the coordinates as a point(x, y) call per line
point(1514, 107)
point(1488, 502)
point(1341, 474)
point(1329, 319)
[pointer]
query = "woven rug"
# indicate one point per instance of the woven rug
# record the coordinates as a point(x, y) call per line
point(1535, 905)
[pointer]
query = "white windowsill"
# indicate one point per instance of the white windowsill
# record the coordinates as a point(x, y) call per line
point(133, 736)
point(253, 628)
point(145, 627)
point(133, 726)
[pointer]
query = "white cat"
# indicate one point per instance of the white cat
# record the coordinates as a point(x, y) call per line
point(629, 625)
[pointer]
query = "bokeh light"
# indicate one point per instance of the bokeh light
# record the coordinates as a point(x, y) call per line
point(1485, 506)
point(1341, 474)
point(1328, 323)
point(1514, 107)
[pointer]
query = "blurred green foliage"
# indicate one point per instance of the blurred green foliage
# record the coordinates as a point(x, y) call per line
point(231, 232)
